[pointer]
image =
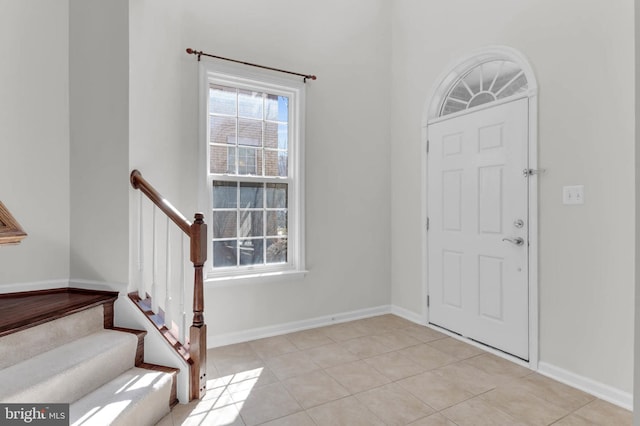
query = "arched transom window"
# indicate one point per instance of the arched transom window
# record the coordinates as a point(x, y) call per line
point(487, 82)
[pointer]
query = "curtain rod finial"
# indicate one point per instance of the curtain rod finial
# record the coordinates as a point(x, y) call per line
point(190, 51)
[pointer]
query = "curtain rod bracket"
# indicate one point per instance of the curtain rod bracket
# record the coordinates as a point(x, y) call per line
point(200, 53)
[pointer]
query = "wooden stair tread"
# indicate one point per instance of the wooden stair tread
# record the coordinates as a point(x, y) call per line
point(19, 311)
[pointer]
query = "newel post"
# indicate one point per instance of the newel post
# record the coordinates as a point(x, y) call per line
point(198, 330)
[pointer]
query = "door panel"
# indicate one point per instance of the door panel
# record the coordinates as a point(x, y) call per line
point(452, 278)
point(478, 282)
point(452, 199)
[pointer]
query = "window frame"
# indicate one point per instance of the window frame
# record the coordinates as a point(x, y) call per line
point(217, 72)
point(495, 93)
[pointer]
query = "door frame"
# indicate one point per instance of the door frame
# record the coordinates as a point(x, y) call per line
point(447, 79)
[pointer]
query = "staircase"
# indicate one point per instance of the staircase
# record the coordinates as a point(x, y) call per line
point(61, 346)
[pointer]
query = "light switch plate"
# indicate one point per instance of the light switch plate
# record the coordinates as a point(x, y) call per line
point(573, 194)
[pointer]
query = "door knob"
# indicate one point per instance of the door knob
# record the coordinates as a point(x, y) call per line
point(517, 240)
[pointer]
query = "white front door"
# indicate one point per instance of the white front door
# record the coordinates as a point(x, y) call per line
point(478, 226)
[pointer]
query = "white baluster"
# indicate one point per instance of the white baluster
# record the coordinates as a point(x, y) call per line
point(167, 282)
point(183, 314)
point(154, 261)
point(140, 275)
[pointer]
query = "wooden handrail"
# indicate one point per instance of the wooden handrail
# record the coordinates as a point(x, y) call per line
point(138, 182)
point(197, 232)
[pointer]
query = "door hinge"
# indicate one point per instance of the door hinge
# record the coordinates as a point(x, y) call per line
point(427, 146)
point(427, 300)
point(427, 224)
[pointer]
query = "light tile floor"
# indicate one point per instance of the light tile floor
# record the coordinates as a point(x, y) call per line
point(381, 371)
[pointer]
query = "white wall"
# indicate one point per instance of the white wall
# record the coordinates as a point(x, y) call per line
point(99, 157)
point(636, 381)
point(34, 137)
point(155, 110)
point(347, 187)
point(582, 54)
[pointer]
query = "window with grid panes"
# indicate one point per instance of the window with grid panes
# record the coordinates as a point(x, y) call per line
point(254, 175)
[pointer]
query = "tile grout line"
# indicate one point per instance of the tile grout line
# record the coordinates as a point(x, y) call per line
point(372, 333)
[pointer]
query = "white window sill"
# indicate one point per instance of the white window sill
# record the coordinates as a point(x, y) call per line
point(255, 278)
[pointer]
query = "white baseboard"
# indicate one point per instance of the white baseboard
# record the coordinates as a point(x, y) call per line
point(600, 390)
point(62, 283)
point(215, 340)
point(33, 286)
point(408, 315)
point(98, 285)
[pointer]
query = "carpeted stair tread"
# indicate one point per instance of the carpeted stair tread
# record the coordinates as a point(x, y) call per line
point(31, 341)
point(138, 397)
point(68, 372)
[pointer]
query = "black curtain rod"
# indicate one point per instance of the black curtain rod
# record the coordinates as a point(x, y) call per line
point(201, 53)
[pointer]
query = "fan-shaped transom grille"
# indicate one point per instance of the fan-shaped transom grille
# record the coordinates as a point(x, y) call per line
point(487, 82)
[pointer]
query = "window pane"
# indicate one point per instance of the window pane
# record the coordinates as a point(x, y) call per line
point(225, 224)
point(276, 163)
point(277, 108)
point(277, 223)
point(251, 195)
point(222, 100)
point(223, 159)
point(271, 135)
point(251, 223)
point(489, 70)
point(460, 92)
point(248, 161)
point(473, 80)
point(225, 195)
point(276, 135)
point(452, 106)
point(249, 132)
point(276, 250)
point(277, 195)
point(283, 136)
point(508, 71)
point(516, 86)
point(481, 98)
point(251, 252)
point(223, 130)
point(224, 253)
point(249, 104)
